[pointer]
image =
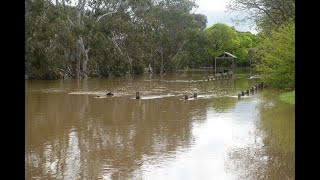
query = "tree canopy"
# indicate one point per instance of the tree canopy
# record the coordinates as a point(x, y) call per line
point(277, 57)
point(96, 37)
point(110, 37)
point(267, 14)
point(223, 38)
point(275, 54)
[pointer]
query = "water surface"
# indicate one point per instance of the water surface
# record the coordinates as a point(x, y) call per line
point(75, 131)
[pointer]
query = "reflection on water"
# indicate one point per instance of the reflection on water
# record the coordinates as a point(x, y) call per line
point(272, 154)
point(72, 134)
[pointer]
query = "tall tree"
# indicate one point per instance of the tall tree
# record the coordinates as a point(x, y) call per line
point(247, 41)
point(222, 38)
point(43, 48)
point(109, 37)
point(267, 14)
point(277, 54)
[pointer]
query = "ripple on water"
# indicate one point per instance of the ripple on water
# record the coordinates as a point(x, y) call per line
point(53, 90)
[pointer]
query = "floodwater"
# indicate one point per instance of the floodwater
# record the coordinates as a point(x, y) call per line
point(74, 131)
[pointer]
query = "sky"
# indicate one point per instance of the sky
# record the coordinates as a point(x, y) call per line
point(216, 11)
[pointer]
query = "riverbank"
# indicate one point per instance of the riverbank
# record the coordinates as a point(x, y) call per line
point(288, 97)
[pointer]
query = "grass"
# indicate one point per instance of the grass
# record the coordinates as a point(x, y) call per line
point(288, 97)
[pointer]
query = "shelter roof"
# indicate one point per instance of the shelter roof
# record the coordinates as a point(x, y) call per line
point(226, 55)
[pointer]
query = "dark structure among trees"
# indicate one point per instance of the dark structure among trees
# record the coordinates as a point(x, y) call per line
point(231, 61)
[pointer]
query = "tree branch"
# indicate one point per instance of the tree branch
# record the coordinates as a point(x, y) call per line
point(70, 20)
point(105, 15)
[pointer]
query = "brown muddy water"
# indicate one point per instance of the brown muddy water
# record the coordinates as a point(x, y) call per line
point(70, 133)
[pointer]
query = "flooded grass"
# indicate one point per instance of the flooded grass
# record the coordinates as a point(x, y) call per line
point(288, 97)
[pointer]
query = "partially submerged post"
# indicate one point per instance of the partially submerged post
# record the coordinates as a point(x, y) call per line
point(195, 95)
point(239, 96)
point(137, 95)
point(186, 96)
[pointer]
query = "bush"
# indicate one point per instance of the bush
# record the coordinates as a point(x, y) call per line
point(277, 54)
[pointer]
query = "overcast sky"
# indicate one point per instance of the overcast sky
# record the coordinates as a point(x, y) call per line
point(216, 11)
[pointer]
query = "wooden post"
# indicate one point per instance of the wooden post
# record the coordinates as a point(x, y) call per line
point(195, 95)
point(235, 62)
point(239, 96)
point(247, 92)
point(137, 95)
point(242, 93)
point(252, 89)
point(215, 65)
point(186, 97)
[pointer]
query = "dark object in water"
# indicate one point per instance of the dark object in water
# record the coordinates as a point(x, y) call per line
point(186, 97)
point(109, 94)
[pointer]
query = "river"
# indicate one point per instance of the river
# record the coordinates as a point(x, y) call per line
point(74, 131)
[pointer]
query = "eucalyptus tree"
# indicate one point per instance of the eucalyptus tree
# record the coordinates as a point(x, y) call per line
point(43, 42)
point(170, 24)
point(267, 14)
point(196, 49)
point(192, 53)
point(86, 23)
point(108, 36)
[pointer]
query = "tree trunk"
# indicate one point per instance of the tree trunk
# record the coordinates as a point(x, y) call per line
point(176, 58)
point(123, 51)
point(162, 63)
point(150, 68)
point(84, 69)
point(76, 61)
point(85, 58)
point(79, 43)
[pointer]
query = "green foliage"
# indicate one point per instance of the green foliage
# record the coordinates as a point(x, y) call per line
point(247, 41)
point(277, 54)
point(267, 14)
point(288, 97)
point(42, 52)
point(137, 33)
point(223, 38)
